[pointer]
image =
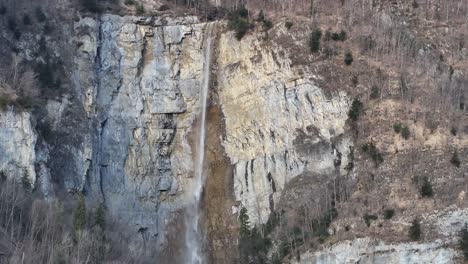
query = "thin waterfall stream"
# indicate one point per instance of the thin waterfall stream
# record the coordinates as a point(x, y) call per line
point(194, 239)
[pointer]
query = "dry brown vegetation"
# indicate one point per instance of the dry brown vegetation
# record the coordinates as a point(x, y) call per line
point(36, 231)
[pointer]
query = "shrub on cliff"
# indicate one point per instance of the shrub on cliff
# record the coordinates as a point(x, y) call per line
point(397, 127)
point(12, 24)
point(455, 160)
point(244, 222)
point(464, 241)
point(356, 110)
point(90, 6)
point(426, 188)
point(414, 232)
point(239, 22)
point(453, 131)
point(79, 220)
point(348, 59)
point(267, 24)
point(388, 214)
point(341, 36)
point(26, 20)
point(373, 152)
point(314, 42)
point(368, 218)
point(40, 16)
point(252, 245)
point(139, 9)
point(375, 92)
point(405, 132)
point(100, 219)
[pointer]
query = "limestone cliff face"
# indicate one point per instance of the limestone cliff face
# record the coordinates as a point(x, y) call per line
point(140, 79)
point(365, 250)
point(124, 137)
point(278, 124)
point(17, 142)
point(137, 83)
point(444, 225)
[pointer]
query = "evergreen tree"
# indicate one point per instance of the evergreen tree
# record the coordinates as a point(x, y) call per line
point(100, 219)
point(455, 160)
point(356, 109)
point(40, 16)
point(314, 42)
point(426, 188)
point(79, 222)
point(348, 60)
point(464, 241)
point(415, 230)
point(405, 132)
point(244, 222)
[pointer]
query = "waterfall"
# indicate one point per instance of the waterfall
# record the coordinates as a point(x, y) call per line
point(193, 239)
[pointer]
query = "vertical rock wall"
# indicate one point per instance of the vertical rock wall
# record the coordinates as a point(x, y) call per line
point(279, 124)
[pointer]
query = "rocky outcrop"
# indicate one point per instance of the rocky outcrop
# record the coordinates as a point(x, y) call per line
point(140, 79)
point(279, 124)
point(17, 146)
point(124, 137)
point(366, 250)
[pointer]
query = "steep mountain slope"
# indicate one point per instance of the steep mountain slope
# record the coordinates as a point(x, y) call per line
point(329, 133)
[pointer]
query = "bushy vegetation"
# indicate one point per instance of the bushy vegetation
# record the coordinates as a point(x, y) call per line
point(339, 36)
point(239, 22)
point(42, 232)
point(266, 23)
point(357, 108)
point(373, 152)
point(368, 218)
point(426, 188)
point(455, 160)
point(12, 24)
point(139, 9)
point(288, 25)
point(414, 232)
point(40, 16)
point(348, 59)
point(100, 219)
point(453, 131)
point(399, 128)
point(26, 20)
point(90, 6)
point(388, 214)
point(45, 75)
point(405, 132)
point(253, 247)
point(129, 2)
point(79, 221)
point(163, 8)
point(375, 93)
point(314, 42)
point(464, 241)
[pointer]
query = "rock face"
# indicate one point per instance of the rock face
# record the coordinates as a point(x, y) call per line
point(366, 250)
point(17, 143)
point(141, 80)
point(278, 124)
point(124, 138)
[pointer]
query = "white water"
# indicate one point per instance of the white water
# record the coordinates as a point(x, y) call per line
point(193, 238)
